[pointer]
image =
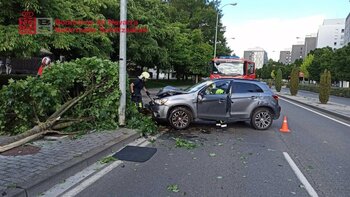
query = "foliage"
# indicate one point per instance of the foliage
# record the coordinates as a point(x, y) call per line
point(70, 45)
point(321, 61)
point(182, 143)
point(30, 102)
point(273, 74)
point(278, 80)
point(341, 64)
point(269, 70)
point(173, 188)
point(108, 159)
point(306, 64)
point(294, 81)
point(180, 33)
point(343, 92)
point(325, 87)
point(139, 121)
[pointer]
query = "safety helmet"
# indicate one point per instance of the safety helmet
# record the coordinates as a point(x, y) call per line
point(46, 61)
point(145, 75)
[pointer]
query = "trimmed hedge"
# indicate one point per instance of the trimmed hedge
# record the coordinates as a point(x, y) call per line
point(343, 92)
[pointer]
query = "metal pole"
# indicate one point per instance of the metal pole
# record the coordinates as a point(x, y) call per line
point(122, 62)
point(216, 25)
point(216, 33)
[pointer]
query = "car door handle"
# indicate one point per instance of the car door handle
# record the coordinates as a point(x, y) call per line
point(253, 97)
point(222, 100)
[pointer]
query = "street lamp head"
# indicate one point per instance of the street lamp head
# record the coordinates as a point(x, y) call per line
point(233, 4)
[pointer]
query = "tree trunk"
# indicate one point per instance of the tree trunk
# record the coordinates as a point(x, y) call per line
point(157, 72)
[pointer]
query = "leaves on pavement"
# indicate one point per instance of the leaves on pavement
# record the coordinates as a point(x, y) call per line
point(173, 188)
point(182, 143)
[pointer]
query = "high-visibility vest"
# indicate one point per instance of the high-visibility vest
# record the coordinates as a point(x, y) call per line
point(219, 91)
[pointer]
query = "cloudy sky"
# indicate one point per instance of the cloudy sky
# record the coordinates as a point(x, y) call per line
point(275, 25)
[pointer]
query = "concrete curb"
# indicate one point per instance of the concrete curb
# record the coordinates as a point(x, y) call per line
point(346, 118)
point(60, 172)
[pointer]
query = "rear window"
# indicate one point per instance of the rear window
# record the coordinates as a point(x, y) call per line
point(239, 87)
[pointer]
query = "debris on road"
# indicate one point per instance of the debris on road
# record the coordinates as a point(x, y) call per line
point(173, 188)
point(182, 143)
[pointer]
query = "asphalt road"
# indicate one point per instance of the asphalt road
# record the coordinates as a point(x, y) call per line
point(240, 161)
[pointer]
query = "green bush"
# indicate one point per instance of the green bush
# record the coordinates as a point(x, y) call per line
point(278, 80)
point(32, 101)
point(325, 87)
point(294, 81)
point(342, 92)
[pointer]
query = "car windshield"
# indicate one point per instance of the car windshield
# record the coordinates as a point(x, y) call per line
point(229, 68)
point(197, 86)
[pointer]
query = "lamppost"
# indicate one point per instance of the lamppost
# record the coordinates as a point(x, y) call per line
point(216, 26)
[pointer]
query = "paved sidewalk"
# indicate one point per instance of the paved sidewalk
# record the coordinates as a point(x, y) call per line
point(337, 106)
point(56, 160)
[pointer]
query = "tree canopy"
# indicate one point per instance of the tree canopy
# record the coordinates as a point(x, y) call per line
point(180, 32)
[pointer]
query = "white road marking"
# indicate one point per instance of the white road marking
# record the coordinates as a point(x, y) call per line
point(300, 175)
point(338, 121)
point(65, 188)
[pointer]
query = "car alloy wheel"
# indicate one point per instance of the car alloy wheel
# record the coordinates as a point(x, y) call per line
point(180, 118)
point(262, 119)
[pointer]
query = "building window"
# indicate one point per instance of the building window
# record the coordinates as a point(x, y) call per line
point(335, 43)
point(342, 30)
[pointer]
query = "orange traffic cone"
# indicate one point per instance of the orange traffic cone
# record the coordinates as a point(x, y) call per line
point(284, 127)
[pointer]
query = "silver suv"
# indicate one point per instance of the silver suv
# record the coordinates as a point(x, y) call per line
point(228, 100)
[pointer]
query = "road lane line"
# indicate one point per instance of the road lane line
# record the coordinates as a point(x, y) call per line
point(338, 121)
point(86, 183)
point(300, 175)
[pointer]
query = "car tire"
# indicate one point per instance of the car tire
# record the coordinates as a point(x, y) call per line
point(261, 119)
point(180, 118)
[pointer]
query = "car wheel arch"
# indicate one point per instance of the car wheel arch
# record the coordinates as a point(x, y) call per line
point(262, 107)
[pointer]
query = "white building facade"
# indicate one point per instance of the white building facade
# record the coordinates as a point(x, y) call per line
point(257, 55)
point(347, 30)
point(331, 34)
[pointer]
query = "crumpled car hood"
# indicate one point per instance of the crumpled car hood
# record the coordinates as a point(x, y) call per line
point(169, 91)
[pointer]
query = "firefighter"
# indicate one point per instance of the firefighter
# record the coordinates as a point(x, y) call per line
point(136, 87)
point(213, 89)
point(46, 61)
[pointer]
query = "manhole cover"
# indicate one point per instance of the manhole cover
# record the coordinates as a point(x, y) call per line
point(22, 150)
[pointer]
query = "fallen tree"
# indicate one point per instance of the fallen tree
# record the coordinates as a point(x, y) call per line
point(82, 94)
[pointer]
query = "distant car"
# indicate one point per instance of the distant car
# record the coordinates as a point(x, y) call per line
point(227, 100)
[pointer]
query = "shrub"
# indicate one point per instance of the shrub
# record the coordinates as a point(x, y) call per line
point(343, 92)
point(278, 80)
point(294, 81)
point(325, 87)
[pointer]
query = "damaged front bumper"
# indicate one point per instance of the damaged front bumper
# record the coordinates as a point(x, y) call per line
point(159, 112)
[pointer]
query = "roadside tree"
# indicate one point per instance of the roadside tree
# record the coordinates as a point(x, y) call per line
point(278, 80)
point(325, 87)
point(294, 81)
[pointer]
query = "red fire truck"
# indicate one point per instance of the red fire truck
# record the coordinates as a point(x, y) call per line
point(232, 67)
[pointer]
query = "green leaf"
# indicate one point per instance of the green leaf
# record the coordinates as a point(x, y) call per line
point(173, 188)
